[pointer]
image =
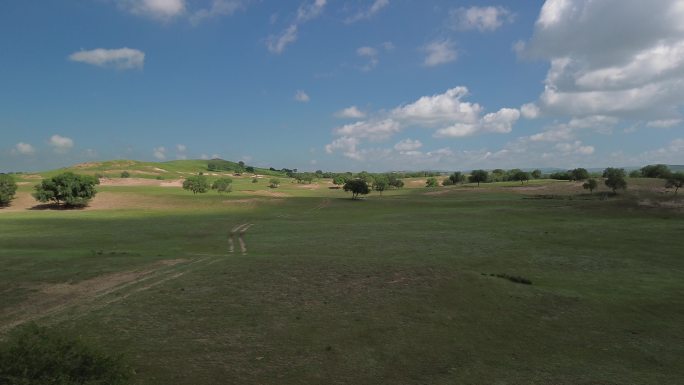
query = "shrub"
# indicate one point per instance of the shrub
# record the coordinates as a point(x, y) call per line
point(255, 180)
point(34, 355)
point(431, 182)
point(68, 188)
point(125, 174)
point(8, 188)
point(196, 184)
point(222, 185)
point(274, 183)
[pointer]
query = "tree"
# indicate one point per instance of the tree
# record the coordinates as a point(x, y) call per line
point(8, 188)
point(339, 180)
point(356, 186)
point(274, 183)
point(457, 177)
point(615, 179)
point(655, 171)
point(249, 169)
point(520, 175)
point(380, 183)
point(590, 185)
point(579, 174)
point(447, 182)
point(125, 174)
point(196, 184)
point(477, 176)
point(222, 185)
point(68, 188)
point(431, 182)
point(675, 180)
point(536, 174)
point(394, 181)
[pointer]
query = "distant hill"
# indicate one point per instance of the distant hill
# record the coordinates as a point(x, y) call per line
point(157, 170)
point(676, 167)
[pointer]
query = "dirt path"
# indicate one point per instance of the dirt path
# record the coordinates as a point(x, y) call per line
point(86, 296)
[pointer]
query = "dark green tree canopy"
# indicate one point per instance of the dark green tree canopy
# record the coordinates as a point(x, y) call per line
point(521, 176)
point(656, 171)
point(477, 176)
point(196, 184)
point(357, 186)
point(222, 185)
point(536, 174)
point(590, 184)
point(675, 180)
point(68, 188)
point(457, 177)
point(615, 178)
point(579, 174)
point(8, 188)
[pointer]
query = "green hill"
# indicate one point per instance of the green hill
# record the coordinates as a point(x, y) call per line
point(157, 170)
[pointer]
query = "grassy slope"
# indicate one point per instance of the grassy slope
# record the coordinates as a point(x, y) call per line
point(385, 290)
point(166, 170)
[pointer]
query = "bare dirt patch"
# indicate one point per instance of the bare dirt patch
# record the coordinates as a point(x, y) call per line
point(266, 193)
point(129, 182)
point(172, 183)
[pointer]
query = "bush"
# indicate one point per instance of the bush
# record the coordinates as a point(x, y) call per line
point(222, 185)
point(125, 174)
point(68, 188)
point(34, 355)
point(8, 188)
point(431, 182)
point(196, 184)
point(274, 183)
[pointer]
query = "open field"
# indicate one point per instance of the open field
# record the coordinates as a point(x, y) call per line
point(391, 289)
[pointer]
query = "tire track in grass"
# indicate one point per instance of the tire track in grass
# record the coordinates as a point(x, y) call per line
point(98, 292)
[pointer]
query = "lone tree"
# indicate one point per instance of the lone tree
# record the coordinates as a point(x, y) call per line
point(590, 185)
point(8, 188)
point(380, 184)
point(431, 182)
point(357, 186)
point(222, 185)
point(675, 180)
point(477, 176)
point(274, 183)
point(615, 179)
point(536, 174)
point(196, 184)
point(68, 188)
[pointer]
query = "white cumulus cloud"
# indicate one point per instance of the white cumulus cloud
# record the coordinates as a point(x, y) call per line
point(24, 149)
point(61, 144)
point(440, 52)
point(159, 9)
point(351, 112)
point(121, 58)
point(159, 152)
point(408, 145)
point(480, 18)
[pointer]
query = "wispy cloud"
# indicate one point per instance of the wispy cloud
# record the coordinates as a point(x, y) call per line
point(159, 152)
point(306, 12)
point(121, 58)
point(368, 13)
point(157, 9)
point(351, 112)
point(301, 96)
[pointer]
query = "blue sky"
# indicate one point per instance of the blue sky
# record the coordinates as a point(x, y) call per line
point(343, 85)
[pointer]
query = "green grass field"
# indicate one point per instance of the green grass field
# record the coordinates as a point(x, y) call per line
point(391, 289)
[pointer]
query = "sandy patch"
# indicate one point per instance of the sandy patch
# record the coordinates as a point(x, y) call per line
point(266, 193)
point(129, 182)
point(172, 183)
point(159, 169)
point(313, 186)
point(88, 165)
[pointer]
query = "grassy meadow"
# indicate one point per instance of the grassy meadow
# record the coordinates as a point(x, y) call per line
point(398, 288)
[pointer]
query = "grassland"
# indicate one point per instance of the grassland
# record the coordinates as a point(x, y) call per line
point(392, 289)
